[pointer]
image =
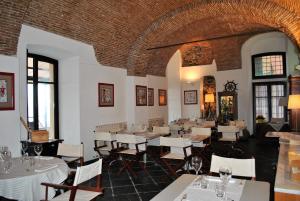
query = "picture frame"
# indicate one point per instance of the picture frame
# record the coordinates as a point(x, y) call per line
point(150, 97)
point(162, 97)
point(141, 95)
point(106, 95)
point(190, 97)
point(7, 91)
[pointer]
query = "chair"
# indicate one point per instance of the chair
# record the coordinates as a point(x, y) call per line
point(139, 128)
point(209, 124)
point(180, 151)
point(136, 148)
point(240, 167)
point(106, 145)
point(79, 192)
point(71, 153)
point(229, 133)
point(201, 131)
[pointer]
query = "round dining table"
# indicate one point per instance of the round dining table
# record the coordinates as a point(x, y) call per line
point(23, 181)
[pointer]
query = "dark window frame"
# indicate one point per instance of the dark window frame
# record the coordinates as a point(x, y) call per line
point(269, 96)
point(283, 54)
point(37, 58)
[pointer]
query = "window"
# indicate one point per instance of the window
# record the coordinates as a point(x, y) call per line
point(42, 94)
point(269, 65)
point(266, 100)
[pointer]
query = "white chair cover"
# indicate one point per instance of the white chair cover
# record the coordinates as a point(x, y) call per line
point(176, 144)
point(228, 133)
point(87, 172)
point(209, 124)
point(105, 136)
point(70, 150)
point(131, 140)
point(240, 167)
point(201, 131)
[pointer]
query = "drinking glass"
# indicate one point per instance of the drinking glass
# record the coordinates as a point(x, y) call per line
point(24, 147)
point(197, 163)
point(38, 148)
point(220, 190)
point(7, 162)
point(225, 174)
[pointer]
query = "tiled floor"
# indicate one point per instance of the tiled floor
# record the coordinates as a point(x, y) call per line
point(144, 187)
point(127, 188)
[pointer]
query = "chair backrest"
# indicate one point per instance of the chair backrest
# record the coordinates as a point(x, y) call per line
point(139, 128)
point(209, 124)
point(161, 129)
point(176, 144)
point(201, 131)
point(70, 150)
point(87, 172)
point(131, 140)
point(105, 136)
point(229, 133)
point(240, 167)
point(277, 120)
point(240, 124)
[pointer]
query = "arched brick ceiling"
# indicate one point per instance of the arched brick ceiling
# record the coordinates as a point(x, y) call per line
point(122, 30)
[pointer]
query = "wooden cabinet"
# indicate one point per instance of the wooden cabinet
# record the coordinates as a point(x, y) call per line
point(294, 83)
point(228, 109)
point(49, 147)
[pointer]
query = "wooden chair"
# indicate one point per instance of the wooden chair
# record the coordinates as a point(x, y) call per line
point(77, 191)
point(133, 153)
point(240, 167)
point(230, 134)
point(105, 144)
point(180, 152)
point(71, 153)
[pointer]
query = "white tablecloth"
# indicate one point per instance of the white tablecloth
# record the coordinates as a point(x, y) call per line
point(195, 193)
point(24, 185)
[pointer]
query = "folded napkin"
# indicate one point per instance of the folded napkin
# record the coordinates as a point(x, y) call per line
point(45, 157)
point(45, 168)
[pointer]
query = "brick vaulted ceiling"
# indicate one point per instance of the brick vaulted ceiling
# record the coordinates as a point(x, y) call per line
point(121, 31)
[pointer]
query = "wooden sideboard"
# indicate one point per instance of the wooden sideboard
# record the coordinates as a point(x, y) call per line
point(49, 147)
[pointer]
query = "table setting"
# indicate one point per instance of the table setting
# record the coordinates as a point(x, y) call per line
point(20, 177)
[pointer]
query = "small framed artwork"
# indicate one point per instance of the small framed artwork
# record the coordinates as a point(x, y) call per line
point(106, 95)
point(190, 97)
point(141, 95)
point(162, 97)
point(7, 91)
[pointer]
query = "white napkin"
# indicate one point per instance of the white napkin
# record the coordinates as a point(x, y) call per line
point(43, 169)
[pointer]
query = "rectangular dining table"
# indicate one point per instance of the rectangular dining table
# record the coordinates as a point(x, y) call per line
point(253, 190)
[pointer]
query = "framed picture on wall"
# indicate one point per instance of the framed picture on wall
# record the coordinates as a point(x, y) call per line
point(162, 97)
point(190, 97)
point(141, 95)
point(7, 91)
point(106, 95)
point(150, 97)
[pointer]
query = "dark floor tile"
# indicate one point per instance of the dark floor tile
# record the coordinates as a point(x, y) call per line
point(124, 190)
point(128, 197)
point(148, 188)
point(148, 196)
point(121, 182)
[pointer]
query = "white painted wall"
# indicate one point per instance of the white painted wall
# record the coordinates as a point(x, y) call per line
point(174, 87)
point(190, 111)
point(9, 119)
point(79, 75)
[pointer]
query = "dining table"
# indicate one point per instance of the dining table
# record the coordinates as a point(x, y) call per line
point(24, 178)
point(183, 189)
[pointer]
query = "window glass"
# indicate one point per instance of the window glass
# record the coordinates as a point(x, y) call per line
point(45, 72)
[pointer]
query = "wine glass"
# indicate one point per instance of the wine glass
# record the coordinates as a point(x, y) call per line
point(38, 148)
point(24, 147)
point(6, 156)
point(225, 175)
point(197, 163)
